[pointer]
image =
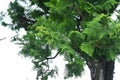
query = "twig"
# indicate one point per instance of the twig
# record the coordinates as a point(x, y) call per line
point(53, 56)
point(2, 38)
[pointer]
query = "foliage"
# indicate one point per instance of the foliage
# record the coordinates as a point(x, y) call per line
point(52, 26)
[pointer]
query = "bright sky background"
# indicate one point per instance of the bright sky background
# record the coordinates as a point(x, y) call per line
point(16, 67)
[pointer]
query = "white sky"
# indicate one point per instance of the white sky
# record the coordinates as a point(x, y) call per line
point(14, 67)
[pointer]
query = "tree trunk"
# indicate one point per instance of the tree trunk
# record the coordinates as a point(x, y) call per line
point(101, 70)
point(109, 70)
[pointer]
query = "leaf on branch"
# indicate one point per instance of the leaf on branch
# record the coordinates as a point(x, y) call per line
point(87, 48)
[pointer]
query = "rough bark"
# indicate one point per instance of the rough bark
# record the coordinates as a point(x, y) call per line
point(101, 70)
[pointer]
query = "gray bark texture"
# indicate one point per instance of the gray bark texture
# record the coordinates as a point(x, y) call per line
point(101, 70)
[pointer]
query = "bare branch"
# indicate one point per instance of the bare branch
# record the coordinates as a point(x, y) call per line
point(53, 56)
point(3, 38)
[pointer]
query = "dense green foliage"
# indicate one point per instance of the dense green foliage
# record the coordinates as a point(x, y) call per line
point(51, 26)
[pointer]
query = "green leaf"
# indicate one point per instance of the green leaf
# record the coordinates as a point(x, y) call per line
point(87, 48)
point(102, 34)
point(111, 55)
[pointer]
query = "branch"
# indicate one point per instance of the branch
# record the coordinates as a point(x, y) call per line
point(53, 56)
point(3, 38)
point(47, 58)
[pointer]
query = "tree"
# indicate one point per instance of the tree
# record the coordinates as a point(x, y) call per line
point(81, 30)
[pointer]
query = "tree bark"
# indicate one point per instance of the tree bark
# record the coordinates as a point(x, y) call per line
point(101, 70)
point(109, 70)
